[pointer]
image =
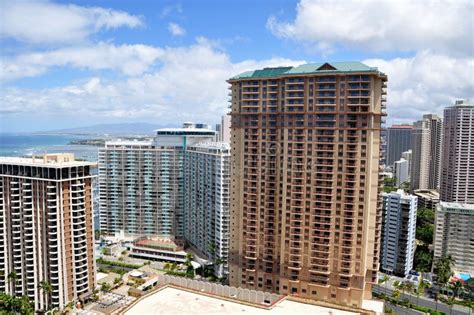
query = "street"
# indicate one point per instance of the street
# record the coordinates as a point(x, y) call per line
point(422, 301)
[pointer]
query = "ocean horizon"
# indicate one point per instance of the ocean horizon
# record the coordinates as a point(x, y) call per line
point(26, 145)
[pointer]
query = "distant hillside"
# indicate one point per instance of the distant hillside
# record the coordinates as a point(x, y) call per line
point(110, 129)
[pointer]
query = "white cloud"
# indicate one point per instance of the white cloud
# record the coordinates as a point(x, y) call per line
point(189, 85)
point(425, 83)
point(402, 25)
point(128, 59)
point(46, 22)
point(176, 30)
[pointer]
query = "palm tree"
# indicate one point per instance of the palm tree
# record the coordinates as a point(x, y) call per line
point(385, 279)
point(444, 270)
point(457, 286)
point(167, 266)
point(47, 288)
point(420, 290)
point(12, 277)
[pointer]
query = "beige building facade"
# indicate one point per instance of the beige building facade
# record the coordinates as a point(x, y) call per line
point(46, 229)
point(305, 204)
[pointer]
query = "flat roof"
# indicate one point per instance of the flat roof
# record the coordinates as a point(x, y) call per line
point(39, 162)
point(173, 301)
point(316, 68)
point(128, 142)
point(458, 206)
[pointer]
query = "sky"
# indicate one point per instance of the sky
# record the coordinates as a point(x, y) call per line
point(66, 64)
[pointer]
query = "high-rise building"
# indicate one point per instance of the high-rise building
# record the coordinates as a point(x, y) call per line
point(141, 182)
point(420, 147)
point(454, 220)
point(398, 233)
point(398, 141)
point(454, 223)
point(457, 173)
point(407, 156)
point(305, 210)
point(224, 132)
point(426, 148)
point(207, 193)
point(400, 172)
point(436, 138)
point(46, 229)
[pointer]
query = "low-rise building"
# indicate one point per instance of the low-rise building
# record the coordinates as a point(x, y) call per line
point(427, 198)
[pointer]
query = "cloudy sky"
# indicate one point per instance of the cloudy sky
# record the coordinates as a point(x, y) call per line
point(71, 64)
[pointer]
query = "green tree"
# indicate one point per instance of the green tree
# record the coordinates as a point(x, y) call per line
point(105, 287)
point(47, 289)
point(420, 289)
point(424, 216)
point(385, 279)
point(444, 270)
point(12, 277)
point(423, 259)
point(457, 288)
point(425, 233)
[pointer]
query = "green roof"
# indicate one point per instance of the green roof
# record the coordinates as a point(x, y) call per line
point(333, 67)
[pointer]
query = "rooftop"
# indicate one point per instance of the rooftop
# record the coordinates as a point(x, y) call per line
point(119, 142)
point(333, 67)
point(56, 160)
point(458, 206)
point(401, 127)
point(173, 301)
point(427, 193)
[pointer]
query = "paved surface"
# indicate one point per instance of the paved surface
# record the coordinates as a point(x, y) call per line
point(171, 301)
point(423, 301)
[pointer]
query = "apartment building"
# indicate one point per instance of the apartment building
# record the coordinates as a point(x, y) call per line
point(420, 147)
point(305, 207)
point(46, 228)
point(426, 145)
point(427, 198)
point(398, 141)
point(141, 183)
point(458, 152)
point(454, 220)
point(454, 223)
point(400, 172)
point(207, 193)
point(398, 233)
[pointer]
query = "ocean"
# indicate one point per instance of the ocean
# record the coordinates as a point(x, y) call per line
point(27, 145)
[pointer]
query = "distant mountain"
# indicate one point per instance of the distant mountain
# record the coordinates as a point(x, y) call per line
point(110, 129)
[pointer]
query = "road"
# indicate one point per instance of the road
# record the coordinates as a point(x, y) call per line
point(423, 301)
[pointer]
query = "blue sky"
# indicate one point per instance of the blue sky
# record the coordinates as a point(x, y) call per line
point(69, 64)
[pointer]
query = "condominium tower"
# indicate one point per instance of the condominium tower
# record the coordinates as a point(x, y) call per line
point(454, 220)
point(420, 146)
point(46, 228)
point(426, 148)
point(141, 183)
point(206, 204)
point(457, 173)
point(398, 141)
point(305, 208)
point(398, 233)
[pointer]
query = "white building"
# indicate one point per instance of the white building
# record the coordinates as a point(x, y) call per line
point(174, 186)
point(400, 171)
point(206, 186)
point(398, 232)
point(454, 224)
point(455, 213)
point(141, 182)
